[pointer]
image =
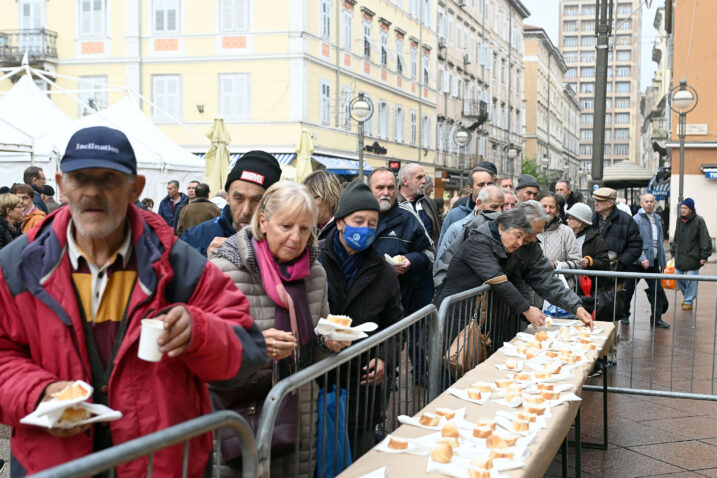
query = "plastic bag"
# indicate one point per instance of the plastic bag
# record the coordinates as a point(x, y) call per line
point(336, 457)
point(553, 310)
point(670, 269)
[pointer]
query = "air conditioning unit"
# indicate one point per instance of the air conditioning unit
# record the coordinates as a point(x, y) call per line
point(441, 42)
point(462, 3)
point(467, 59)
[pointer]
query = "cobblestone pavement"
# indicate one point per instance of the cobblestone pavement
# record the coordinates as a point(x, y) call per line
point(651, 436)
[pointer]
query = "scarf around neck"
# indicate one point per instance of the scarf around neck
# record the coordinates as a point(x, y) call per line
point(284, 283)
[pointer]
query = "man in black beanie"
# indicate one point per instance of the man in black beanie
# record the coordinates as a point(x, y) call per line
point(252, 174)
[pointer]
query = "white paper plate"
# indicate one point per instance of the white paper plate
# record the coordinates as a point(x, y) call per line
point(406, 420)
point(414, 447)
point(100, 413)
point(392, 261)
point(462, 393)
point(337, 332)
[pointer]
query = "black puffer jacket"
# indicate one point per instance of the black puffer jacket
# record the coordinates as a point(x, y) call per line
point(7, 232)
point(693, 243)
point(595, 249)
point(621, 236)
point(374, 296)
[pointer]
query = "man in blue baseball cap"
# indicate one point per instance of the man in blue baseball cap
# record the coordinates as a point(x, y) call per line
point(73, 293)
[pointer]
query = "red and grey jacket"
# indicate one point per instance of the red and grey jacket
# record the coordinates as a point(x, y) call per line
point(42, 341)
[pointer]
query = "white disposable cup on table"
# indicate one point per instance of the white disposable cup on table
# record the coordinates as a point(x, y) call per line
point(149, 335)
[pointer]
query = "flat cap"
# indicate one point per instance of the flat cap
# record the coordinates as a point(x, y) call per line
point(605, 194)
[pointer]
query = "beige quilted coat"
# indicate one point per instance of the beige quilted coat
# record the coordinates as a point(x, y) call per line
point(236, 259)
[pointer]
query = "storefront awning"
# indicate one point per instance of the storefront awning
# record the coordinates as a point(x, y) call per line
point(283, 158)
point(340, 165)
point(661, 190)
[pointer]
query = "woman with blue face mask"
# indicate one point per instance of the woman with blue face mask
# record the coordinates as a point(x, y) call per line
point(363, 286)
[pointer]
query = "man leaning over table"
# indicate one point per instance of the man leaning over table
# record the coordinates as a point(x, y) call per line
point(73, 292)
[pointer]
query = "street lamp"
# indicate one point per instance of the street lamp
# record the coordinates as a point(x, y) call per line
point(511, 151)
point(361, 110)
point(684, 100)
point(461, 137)
point(545, 163)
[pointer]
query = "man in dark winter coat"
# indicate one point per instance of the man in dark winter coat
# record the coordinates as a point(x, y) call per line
point(363, 286)
point(252, 174)
point(172, 202)
point(480, 178)
point(562, 187)
point(691, 249)
point(200, 210)
point(621, 234)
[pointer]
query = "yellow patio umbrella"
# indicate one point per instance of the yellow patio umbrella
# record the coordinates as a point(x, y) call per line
point(303, 155)
point(217, 158)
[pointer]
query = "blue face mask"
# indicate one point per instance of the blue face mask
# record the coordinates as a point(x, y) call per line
point(359, 238)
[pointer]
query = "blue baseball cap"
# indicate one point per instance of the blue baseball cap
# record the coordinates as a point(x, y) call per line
point(99, 147)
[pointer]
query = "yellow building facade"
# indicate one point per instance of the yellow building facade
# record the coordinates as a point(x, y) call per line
point(270, 69)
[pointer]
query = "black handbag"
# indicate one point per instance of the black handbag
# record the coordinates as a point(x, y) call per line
point(608, 301)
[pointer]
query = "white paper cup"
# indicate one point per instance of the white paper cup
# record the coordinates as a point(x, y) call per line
point(148, 340)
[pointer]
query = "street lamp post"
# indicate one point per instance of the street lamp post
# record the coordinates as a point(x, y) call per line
point(461, 137)
point(545, 163)
point(684, 100)
point(361, 110)
point(512, 152)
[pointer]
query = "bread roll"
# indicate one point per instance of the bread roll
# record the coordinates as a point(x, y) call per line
point(536, 409)
point(484, 387)
point(542, 375)
point(429, 419)
point(474, 394)
point(511, 364)
point(341, 320)
point(484, 462)
point(71, 392)
point(487, 422)
point(546, 386)
point(398, 258)
point(442, 453)
point(530, 354)
point(523, 376)
point(73, 415)
point(521, 425)
point(565, 333)
point(396, 443)
point(510, 439)
point(474, 472)
point(503, 383)
point(550, 395)
point(541, 336)
point(495, 441)
point(528, 417)
point(551, 354)
point(449, 430)
point(453, 442)
point(482, 431)
point(445, 412)
point(502, 454)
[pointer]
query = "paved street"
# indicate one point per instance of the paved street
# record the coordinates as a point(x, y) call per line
point(657, 436)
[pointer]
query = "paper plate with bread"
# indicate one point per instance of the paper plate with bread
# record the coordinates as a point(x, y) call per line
point(68, 408)
point(394, 444)
point(338, 327)
point(397, 260)
point(434, 420)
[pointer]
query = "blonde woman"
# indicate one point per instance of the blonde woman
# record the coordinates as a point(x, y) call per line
point(273, 262)
point(326, 189)
point(10, 218)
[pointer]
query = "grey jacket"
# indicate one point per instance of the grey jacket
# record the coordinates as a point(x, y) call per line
point(452, 245)
point(643, 222)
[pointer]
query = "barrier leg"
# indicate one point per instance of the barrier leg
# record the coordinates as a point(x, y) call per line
point(564, 452)
point(578, 450)
point(603, 445)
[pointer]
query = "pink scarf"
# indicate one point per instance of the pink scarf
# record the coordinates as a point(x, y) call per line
point(273, 276)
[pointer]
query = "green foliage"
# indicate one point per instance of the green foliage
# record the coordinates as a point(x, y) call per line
point(531, 166)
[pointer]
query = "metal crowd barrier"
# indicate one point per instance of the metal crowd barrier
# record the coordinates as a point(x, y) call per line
point(473, 324)
point(371, 410)
point(147, 446)
point(678, 362)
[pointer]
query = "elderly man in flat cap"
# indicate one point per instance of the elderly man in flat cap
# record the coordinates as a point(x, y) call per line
point(73, 293)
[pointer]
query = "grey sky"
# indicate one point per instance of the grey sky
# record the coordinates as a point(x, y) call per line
point(544, 13)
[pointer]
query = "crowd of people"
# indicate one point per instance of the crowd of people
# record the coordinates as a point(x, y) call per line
point(241, 280)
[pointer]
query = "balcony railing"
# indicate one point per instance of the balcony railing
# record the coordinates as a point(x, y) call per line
point(40, 45)
point(475, 108)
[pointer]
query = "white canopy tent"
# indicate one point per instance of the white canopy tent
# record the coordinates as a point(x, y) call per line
point(158, 157)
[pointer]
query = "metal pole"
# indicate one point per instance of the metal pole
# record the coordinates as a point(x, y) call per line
point(602, 27)
point(682, 131)
point(360, 149)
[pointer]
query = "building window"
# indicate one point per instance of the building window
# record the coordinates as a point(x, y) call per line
point(624, 9)
point(623, 71)
point(622, 118)
point(425, 132)
point(586, 134)
point(325, 103)
point(400, 62)
point(570, 42)
point(383, 120)
point(586, 119)
point(625, 25)
point(234, 96)
point(413, 8)
point(32, 16)
point(167, 98)
point(587, 72)
point(570, 11)
point(92, 94)
point(622, 133)
point(426, 71)
point(367, 40)
point(608, 118)
point(622, 149)
point(570, 26)
point(607, 151)
point(624, 55)
point(346, 96)
point(325, 18)
point(368, 124)
point(398, 124)
point(92, 17)
point(383, 41)
point(166, 16)
point(587, 57)
point(625, 40)
point(412, 126)
point(414, 62)
point(449, 28)
point(571, 57)
point(588, 10)
point(608, 134)
point(622, 86)
point(347, 32)
point(427, 13)
point(571, 73)
point(587, 40)
point(586, 150)
point(588, 26)
point(587, 87)
point(234, 15)
point(587, 103)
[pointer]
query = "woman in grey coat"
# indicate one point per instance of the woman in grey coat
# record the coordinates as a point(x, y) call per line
point(273, 262)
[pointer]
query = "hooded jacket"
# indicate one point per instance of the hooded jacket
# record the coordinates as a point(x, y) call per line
point(643, 222)
point(199, 237)
point(621, 235)
point(691, 244)
point(43, 341)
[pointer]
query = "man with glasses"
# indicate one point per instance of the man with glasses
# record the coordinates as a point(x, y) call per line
point(35, 178)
